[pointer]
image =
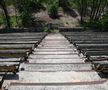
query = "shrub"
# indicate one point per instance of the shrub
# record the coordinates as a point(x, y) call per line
point(53, 10)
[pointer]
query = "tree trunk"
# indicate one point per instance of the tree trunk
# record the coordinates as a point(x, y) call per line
point(3, 6)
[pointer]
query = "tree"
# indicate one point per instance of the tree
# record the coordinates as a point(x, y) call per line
point(65, 4)
point(23, 6)
point(3, 6)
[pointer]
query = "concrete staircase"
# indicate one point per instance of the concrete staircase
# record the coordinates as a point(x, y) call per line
point(55, 65)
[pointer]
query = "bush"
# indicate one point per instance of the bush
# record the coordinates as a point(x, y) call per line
point(65, 4)
point(104, 23)
point(53, 10)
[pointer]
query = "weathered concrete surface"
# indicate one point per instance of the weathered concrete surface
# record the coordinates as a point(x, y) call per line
point(57, 77)
point(55, 63)
point(56, 67)
point(56, 60)
point(55, 53)
point(54, 56)
point(42, 87)
point(53, 50)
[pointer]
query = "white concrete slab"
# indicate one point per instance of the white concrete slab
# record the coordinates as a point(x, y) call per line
point(58, 77)
point(56, 60)
point(54, 56)
point(56, 67)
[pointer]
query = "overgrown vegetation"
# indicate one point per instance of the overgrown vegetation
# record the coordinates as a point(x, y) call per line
point(53, 8)
point(93, 13)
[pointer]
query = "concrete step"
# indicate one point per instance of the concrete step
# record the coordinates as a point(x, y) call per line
point(55, 47)
point(54, 50)
point(54, 56)
point(56, 67)
point(58, 77)
point(61, 43)
point(55, 53)
point(56, 86)
point(56, 40)
point(69, 46)
point(56, 60)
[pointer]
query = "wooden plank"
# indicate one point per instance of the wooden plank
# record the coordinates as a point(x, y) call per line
point(96, 59)
point(9, 63)
point(88, 36)
point(20, 46)
point(90, 42)
point(20, 53)
point(7, 69)
point(13, 54)
point(18, 42)
point(21, 37)
point(25, 34)
point(85, 38)
point(80, 46)
point(14, 51)
point(10, 60)
point(96, 53)
point(84, 33)
point(84, 50)
point(93, 49)
point(100, 66)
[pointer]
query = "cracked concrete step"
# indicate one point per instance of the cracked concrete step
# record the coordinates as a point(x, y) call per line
point(55, 67)
point(54, 56)
point(56, 60)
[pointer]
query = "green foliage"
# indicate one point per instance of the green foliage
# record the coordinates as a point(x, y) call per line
point(93, 24)
point(53, 10)
point(65, 4)
point(1, 19)
point(24, 9)
point(14, 22)
point(101, 24)
point(93, 13)
point(46, 29)
point(9, 2)
point(3, 6)
point(104, 22)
